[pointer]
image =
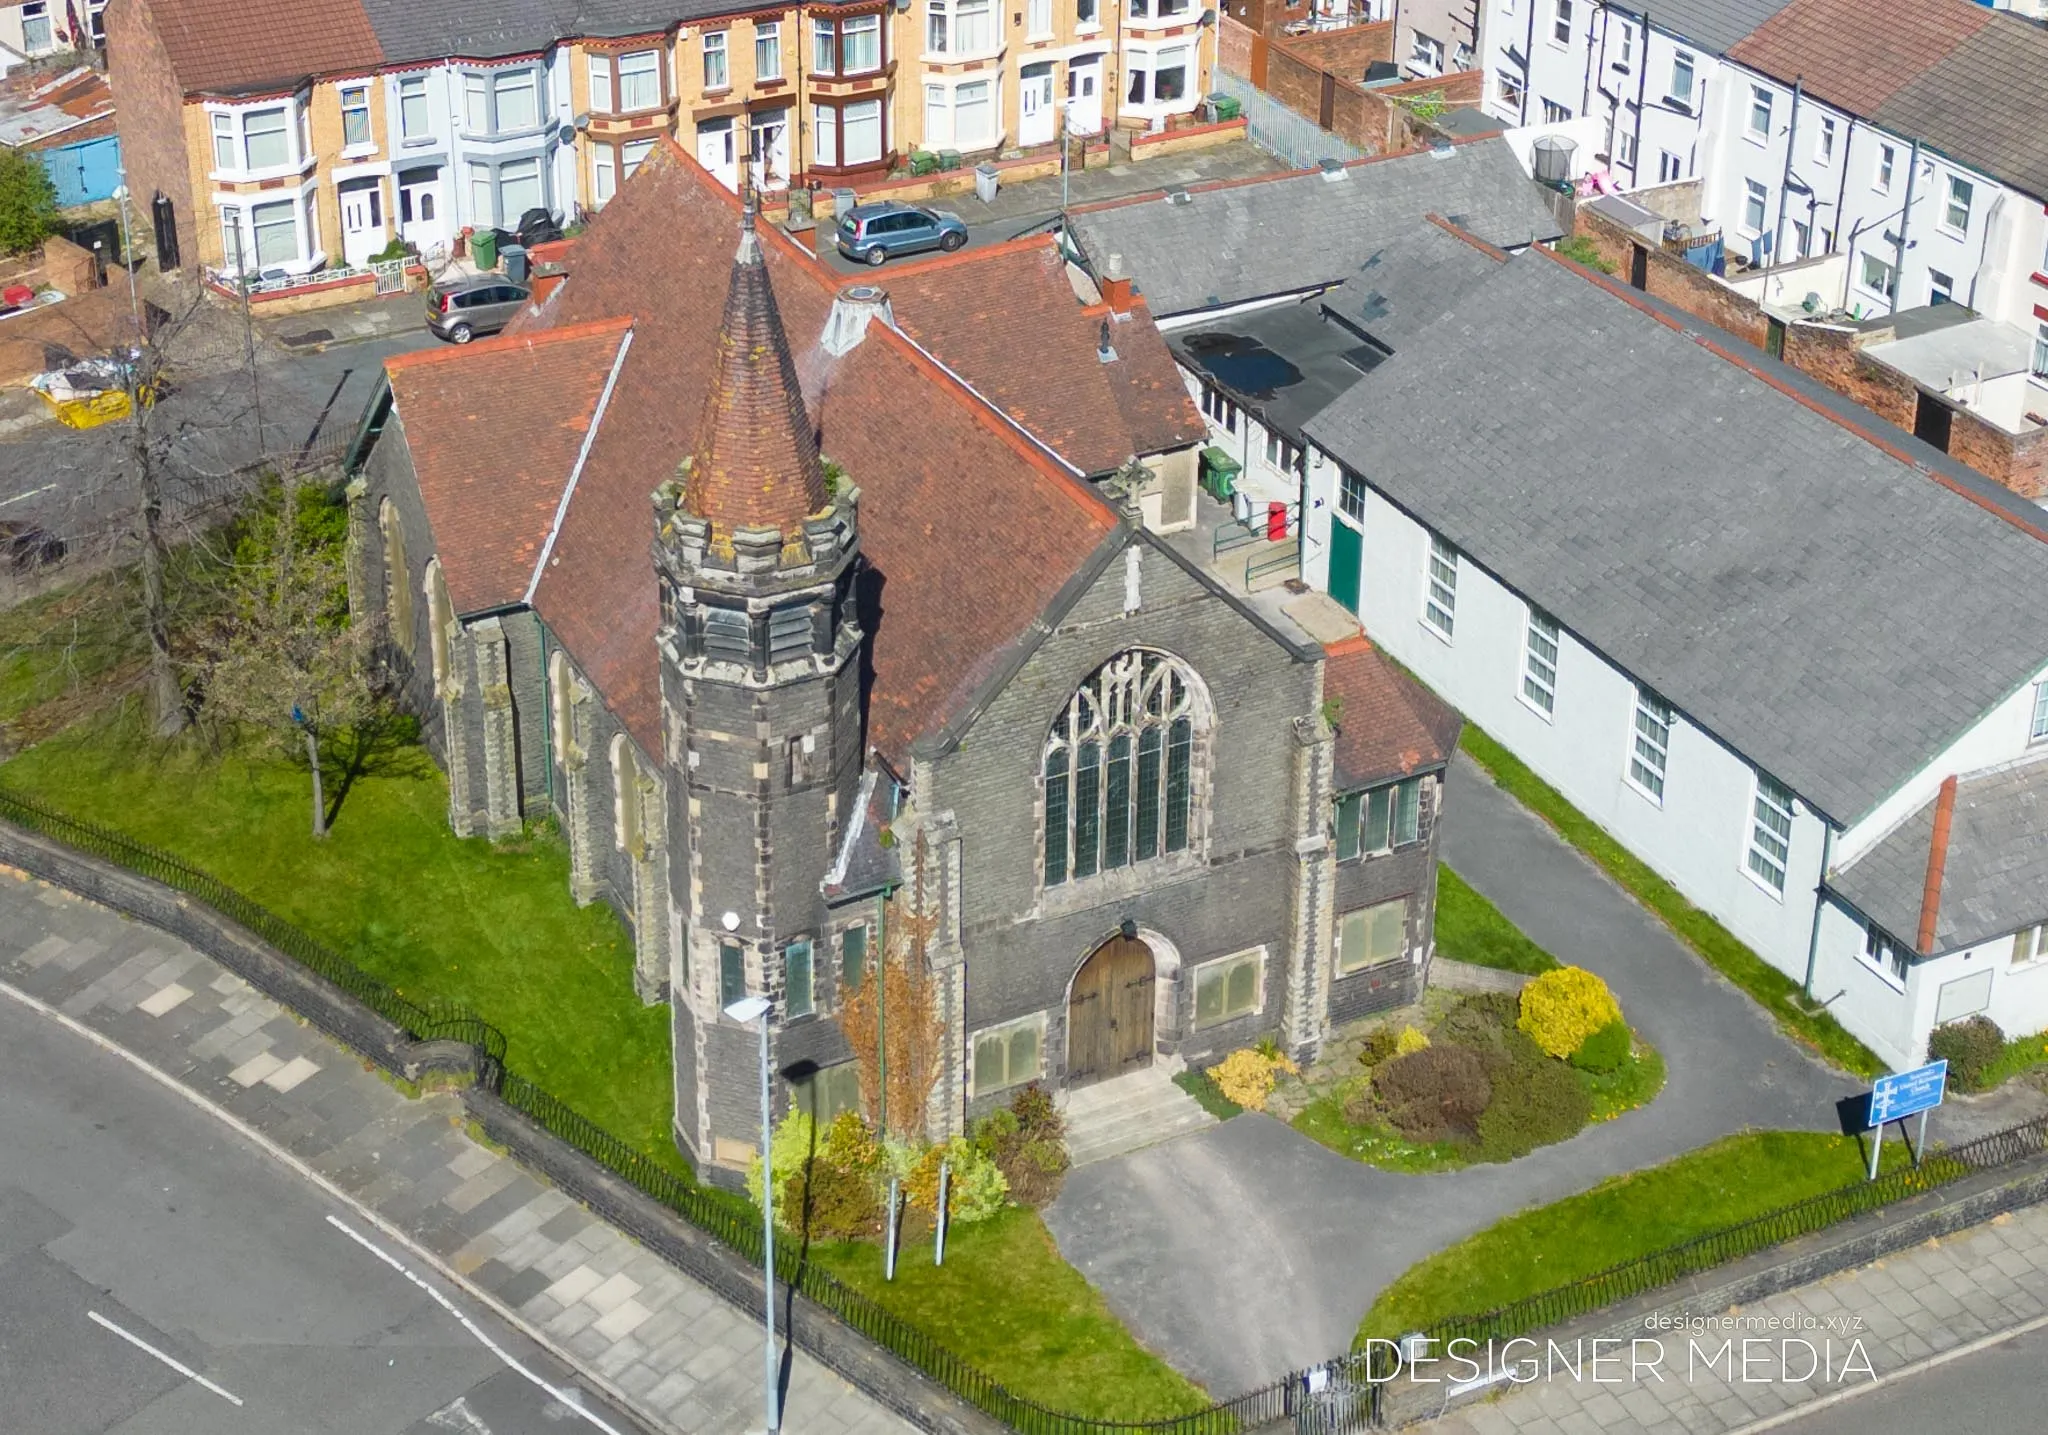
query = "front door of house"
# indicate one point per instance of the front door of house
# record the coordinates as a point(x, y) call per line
point(768, 149)
point(1347, 548)
point(1084, 88)
point(420, 222)
point(1035, 118)
point(362, 221)
point(1109, 1015)
point(715, 152)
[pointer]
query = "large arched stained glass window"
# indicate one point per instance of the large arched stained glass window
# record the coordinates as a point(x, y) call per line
point(1119, 768)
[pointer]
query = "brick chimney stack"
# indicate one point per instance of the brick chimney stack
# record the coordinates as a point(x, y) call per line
point(1116, 285)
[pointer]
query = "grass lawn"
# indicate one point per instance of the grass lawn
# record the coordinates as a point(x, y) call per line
point(1322, 1120)
point(1536, 1250)
point(489, 925)
point(1208, 1095)
point(1471, 929)
point(1009, 1304)
point(56, 644)
point(1777, 993)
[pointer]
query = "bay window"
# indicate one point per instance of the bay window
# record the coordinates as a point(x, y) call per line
point(1160, 9)
point(482, 209)
point(640, 81)
point(633, 155)
point(960, 27)
point(476, 104)
point(224, 142)
point(1160, 78)
point(266, 139)
point(825, 135)
point(516, 96)
point(824, 48)
point(601, 85)
point(604, 174)
point(860, 133)
point(518, 188)
point(767, 50)
point(860, 44)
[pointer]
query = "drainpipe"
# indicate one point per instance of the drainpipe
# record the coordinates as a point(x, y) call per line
point(1528, 63)
point(1586, 85)
point(1785, 182)
point(1827, 849)
point(1905, 223)
point(1635, 168)
point(1842, 190)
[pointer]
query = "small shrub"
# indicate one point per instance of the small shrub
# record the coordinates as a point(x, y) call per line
point(1561, 1009)
point(1246, 1076)
point(1361, 1107)
point(1535, 1101)
point(1027, 1143)
point(1038, 1118)
point(1478, 1021)
point(1410, 1041)
point(1605, 1050)
point(975, 1186)
point(1970, 1046)
point(793, 1143)
point(1379, 1046)
point(1434, 1094)
point(830, 1190)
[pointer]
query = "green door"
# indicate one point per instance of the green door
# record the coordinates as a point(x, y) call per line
point(1347, 550)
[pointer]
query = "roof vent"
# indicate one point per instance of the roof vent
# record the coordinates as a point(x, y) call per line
point(1104, 353)
point(852, 312)
point(1333, 170)
point(1179, 196)
point(1441, 149)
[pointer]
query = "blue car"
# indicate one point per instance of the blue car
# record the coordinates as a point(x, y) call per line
point(877, 233)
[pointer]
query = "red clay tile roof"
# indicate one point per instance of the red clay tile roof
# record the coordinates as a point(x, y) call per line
point(492, 473)
point(238, 46)
point(904, 433)
point(1388, 724)
point(1006, 320)
point(756, 464)
point(1855, 54)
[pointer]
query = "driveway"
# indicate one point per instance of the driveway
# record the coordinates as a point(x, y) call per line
point(1245, 1250)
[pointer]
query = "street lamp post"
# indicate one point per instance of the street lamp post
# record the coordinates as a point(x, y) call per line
point(746, 1011)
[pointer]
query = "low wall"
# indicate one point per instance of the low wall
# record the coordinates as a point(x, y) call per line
point(1471, 977)
point(1166, 142)
point(1671, 279)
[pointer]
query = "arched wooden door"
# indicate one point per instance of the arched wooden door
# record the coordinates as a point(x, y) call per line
point(1109, 1015)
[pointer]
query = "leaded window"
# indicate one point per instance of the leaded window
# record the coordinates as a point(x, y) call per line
point(1119, 768)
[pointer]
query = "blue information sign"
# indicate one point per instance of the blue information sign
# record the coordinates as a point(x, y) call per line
point(1907, 1092)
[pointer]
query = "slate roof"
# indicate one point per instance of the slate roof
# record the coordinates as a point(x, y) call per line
point(1286, 361)
point(1409, 282)
point(1281, 234)
point(492, 474)
point(1388, 725)
point(242, 46)
point(1834, 614)
point(1714, 25)
point(932, 463)
point(1985, 102)
point(417, 30)
point(1019, 306)
point(1856, 54)
point(1994, 878)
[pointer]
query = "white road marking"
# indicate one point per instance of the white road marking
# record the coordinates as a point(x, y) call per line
point(30, 494)
point(142, 1345)
point(459, 1417)
point(566, 1397)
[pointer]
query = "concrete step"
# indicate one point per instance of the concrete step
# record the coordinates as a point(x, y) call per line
point(1113, 1118)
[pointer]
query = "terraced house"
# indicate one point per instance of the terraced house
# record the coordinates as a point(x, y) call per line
point(288, 140)
point(903, 616)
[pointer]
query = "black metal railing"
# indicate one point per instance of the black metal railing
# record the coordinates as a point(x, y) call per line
point(1340, 1396)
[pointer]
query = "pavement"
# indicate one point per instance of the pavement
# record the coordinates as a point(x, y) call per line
point(1247, 1250)
point(1033, 206)
point(136, 1231)
point(1946, 1336)
point(197, 1215)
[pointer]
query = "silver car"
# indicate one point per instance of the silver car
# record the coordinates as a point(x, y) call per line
point(465, 309)
point(877, 233)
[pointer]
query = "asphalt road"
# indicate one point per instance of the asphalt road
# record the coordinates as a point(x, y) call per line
point(129, 1218)
point(71, 482)
point(2002, 1388)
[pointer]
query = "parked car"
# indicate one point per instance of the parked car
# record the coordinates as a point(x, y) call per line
point(877, 233)
point(463, 309)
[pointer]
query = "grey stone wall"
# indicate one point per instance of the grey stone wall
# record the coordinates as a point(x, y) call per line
point(1408, 872)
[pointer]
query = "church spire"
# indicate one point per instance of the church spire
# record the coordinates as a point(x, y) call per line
point(756, 461)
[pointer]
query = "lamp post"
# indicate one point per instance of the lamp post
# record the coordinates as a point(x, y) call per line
point(746, 1011)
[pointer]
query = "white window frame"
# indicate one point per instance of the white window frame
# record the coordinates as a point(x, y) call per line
point(1440, 587)
point(1767, 857)
point(1885, 957)
point(1370, 920)
point(2037, 729)
point(1756, 201)
point(1555, 113)
point(1941, 288)
point(1648, 768)
point(410, 88)
point(1683, 63)
point(633, 154)
point(868, 25)
point(1628, 48)
point(1561, 23)
point(38, 29)
point(1757, 126)
point(1955, 214)
point(1218, 968)
point(2040, 363)
point(1005, 1032)
point(1351, 497)
point(603, 96)
point(1888, 290)
point(1426, 54)
point(237, 131)
point(868, 110)
point(768, 46)
point(604, 174)
point(1538, 686)
point(359, 106)
point(646, 66)
point(1670, 167)
point(1510, 88)
point(1038, 19)
point(825, 135)
point(1625, 147)
point(2029, 947)
point(1887, 167)
point(950, 24)
point(1824, 142)
point(824, 46)
point(715, 49)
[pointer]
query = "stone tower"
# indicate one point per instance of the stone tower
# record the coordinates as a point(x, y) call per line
point(756, 555)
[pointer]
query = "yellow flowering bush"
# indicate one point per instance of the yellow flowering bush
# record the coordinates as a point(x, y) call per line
point(1246, 1077)
point(1410, 1040)
point(1563, 1007)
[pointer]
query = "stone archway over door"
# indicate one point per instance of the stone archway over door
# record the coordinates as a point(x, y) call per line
point(1109, 1014)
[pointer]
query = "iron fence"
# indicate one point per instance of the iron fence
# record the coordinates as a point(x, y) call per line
point(1335, 1398)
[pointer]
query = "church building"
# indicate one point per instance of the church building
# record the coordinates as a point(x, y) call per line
point(779, 590)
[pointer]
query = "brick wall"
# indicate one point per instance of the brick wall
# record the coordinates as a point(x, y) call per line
point(2020, 462)
point(1233, 46)
point(1344, 52)
point(1301, 70)
point(150, 109)
point(1671, 279)
point(1831, 355)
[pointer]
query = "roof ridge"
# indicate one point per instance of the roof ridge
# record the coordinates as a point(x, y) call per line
point(604, 399)
point(1491, 251)
point(1937, 864)
point(500, 343)
point(1757, 371)
point(925, 264)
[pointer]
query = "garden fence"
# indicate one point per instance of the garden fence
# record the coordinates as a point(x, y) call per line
point(1338, 1397)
